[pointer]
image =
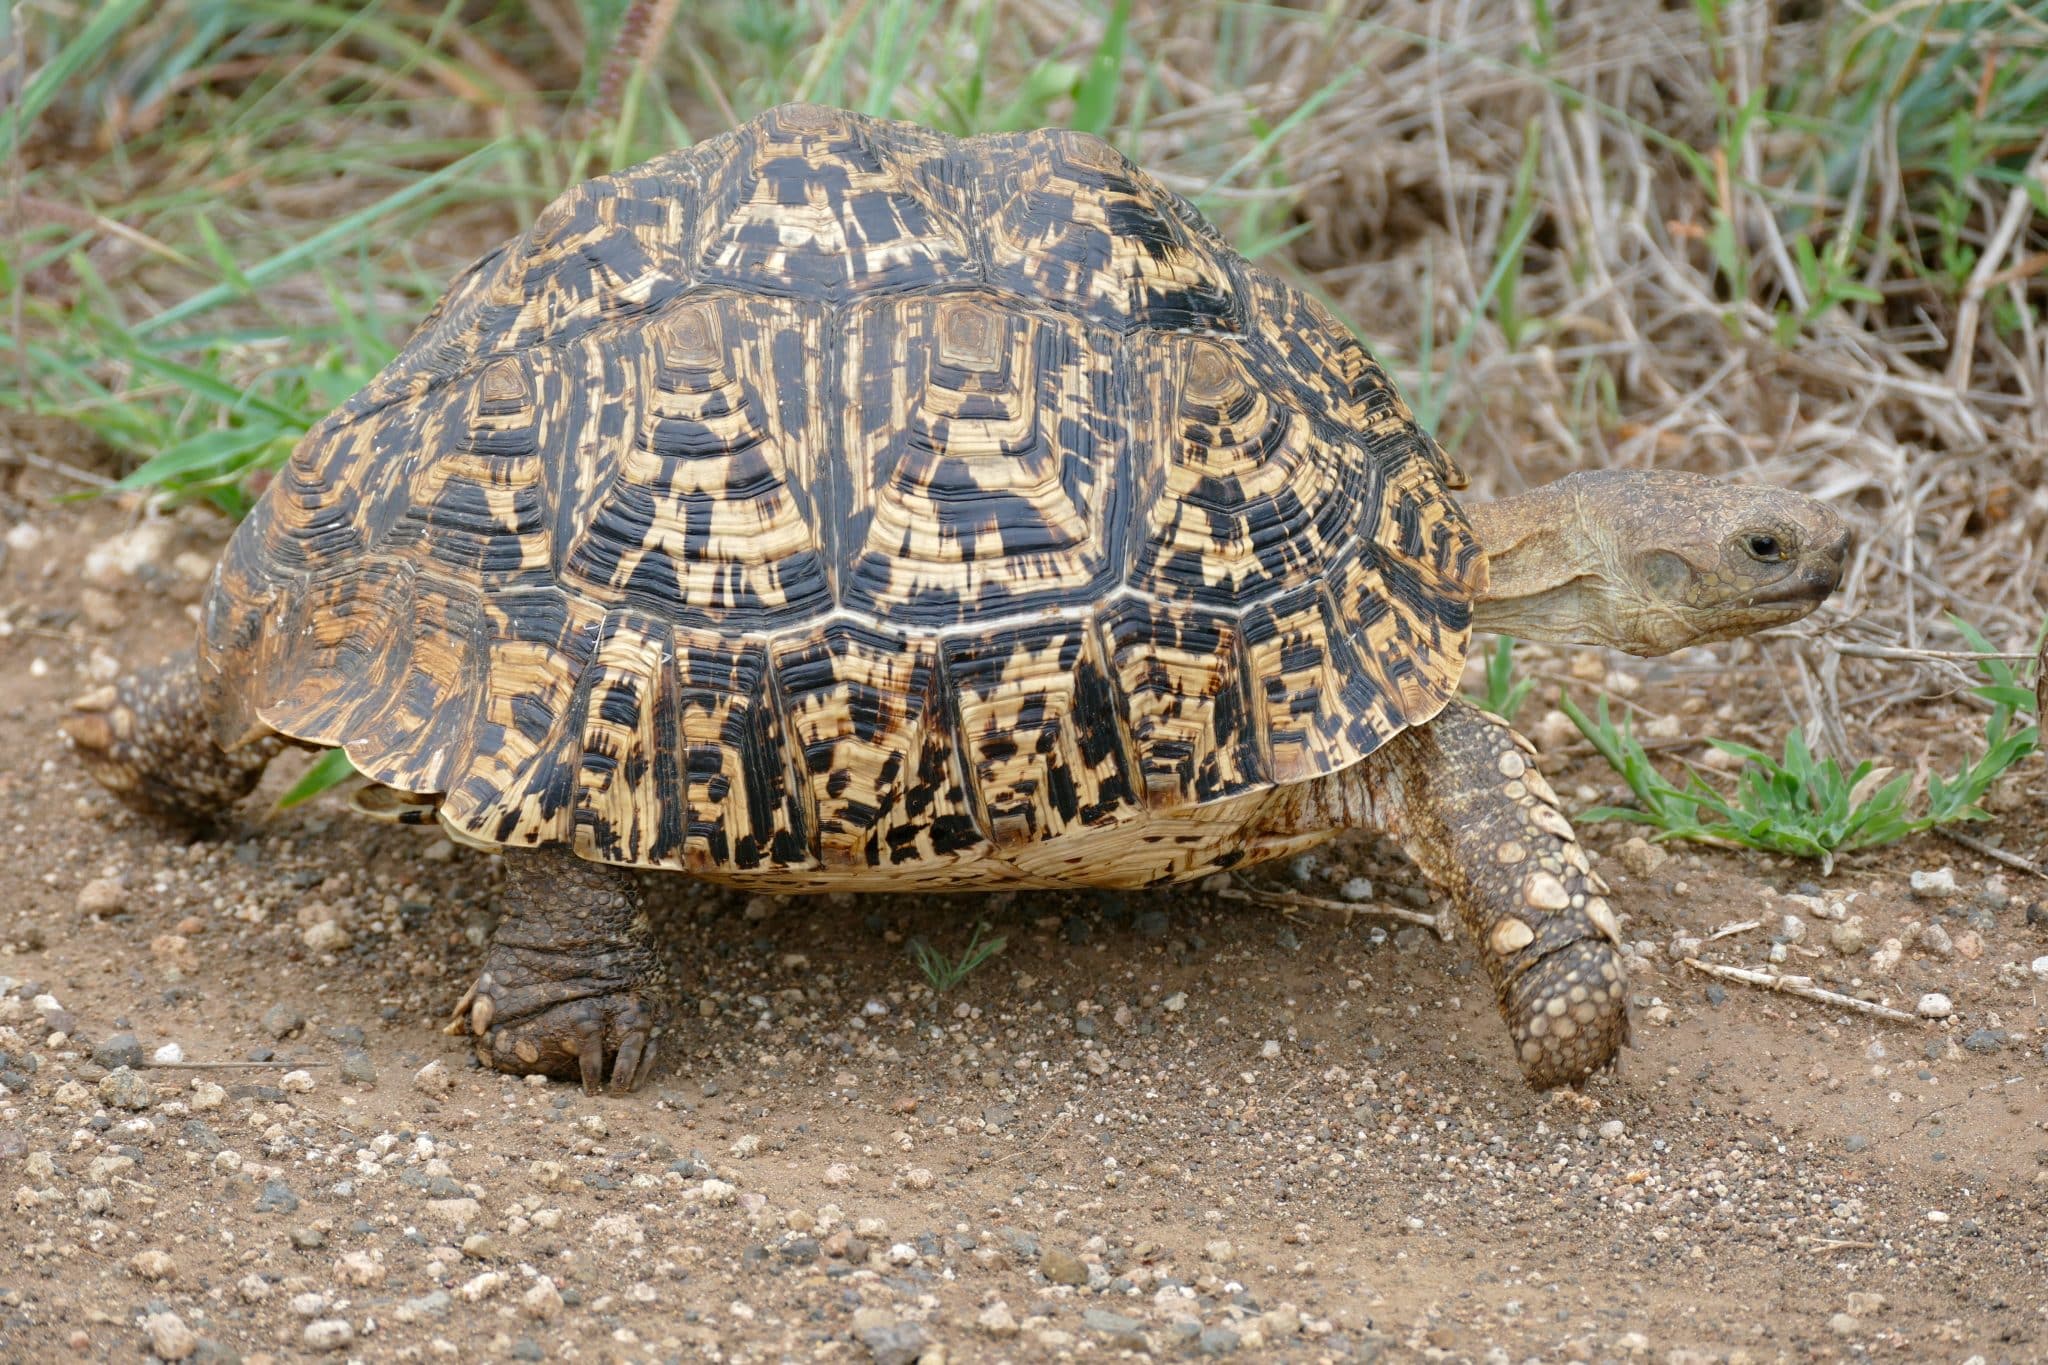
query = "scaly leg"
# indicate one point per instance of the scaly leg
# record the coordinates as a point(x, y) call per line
point(1481, 822)
point(571, 976)
point(146, 740)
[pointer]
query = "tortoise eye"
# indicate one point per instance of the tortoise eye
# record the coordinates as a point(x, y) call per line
point(1766, 547)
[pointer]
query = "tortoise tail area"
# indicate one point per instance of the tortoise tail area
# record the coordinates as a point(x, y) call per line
point(146, 739)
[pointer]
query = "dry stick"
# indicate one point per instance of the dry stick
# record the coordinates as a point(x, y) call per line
point(1801, 986)
point(1992, 851)
point(1346, 908)
point(231, 1066)
point(2018, 208)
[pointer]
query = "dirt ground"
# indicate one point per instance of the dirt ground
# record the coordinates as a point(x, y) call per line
point(1172, 1125)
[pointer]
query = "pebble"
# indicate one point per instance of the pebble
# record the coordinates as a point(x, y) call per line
point(1847, 1324)
point(542, 1302)
point(997, 1320)
point(152, 1265)
point(890, 1340)
point(1216, 1341)
point(296, 1082)
point(325, 937)
point(1934, 1005)
point(1062, 1266)
point(328, 1334)
point(1792, 929)
point(1935, 939)
point(124, 1089)
point(357, 1067)
point(359, 1268)
point(1887, 956)
point(1110, 1324)
point(117, 1050)
point(169, 1337)
point(1640, 858)
point(1175, 1003)
point(1847, 937)
point(282, 1020)
point(2040, 967)
point(170, 1054)
point(1984, 1040)
point(1937, 885)
point(102, 896)
point(1358, 889)
point(433, 1079)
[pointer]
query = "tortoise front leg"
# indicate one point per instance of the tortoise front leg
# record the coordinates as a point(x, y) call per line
point(571, 976)
point(145, 739)
point(1481, 822)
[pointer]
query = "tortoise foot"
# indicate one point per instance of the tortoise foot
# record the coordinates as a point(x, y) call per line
point(572, 984)
point(525, 1025)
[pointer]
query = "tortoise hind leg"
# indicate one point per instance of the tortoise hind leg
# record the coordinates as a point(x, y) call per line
point(571, 977)
point(1480, 821)
point(146, 740)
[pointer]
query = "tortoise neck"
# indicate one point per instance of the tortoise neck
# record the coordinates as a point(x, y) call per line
point(1544, 567)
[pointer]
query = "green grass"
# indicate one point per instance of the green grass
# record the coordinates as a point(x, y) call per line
point(1800, 804)
point(1504, 693)
point(944, 973)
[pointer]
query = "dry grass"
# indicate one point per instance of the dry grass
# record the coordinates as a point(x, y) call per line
point(1804, 243)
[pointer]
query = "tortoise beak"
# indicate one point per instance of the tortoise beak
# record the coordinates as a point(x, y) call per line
point(1820, 572)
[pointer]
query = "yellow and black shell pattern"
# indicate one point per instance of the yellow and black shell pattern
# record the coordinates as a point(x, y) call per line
point(838, 503)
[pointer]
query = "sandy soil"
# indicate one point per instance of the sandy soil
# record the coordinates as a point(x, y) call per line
point(1172, 1125)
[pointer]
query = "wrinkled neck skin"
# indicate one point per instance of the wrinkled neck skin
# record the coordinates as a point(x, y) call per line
point(1553, 575)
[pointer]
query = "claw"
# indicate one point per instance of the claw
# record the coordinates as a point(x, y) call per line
point(486, 1008)
point(458, 1022)
point(590, 1053)
point(635, 1054)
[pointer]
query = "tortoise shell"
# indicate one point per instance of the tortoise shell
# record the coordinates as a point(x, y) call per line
point(839, 503)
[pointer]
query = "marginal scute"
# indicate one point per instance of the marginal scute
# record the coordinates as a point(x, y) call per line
point(836, 503)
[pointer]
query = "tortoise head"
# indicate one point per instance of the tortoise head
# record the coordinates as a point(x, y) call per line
point(1653, 560)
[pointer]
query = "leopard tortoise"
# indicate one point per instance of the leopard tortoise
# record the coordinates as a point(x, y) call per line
point(841, 505)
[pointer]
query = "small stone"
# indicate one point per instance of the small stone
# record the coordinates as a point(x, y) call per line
point(124, 1089)
point(2039, 967)
point(1855, 1142)
point(482, 1287)
point(1114, 1325)
point(117, 1050)
point(1175, 1003)
point(1847, 937)
point(1640, 858)
point(1216, 1341)
point(1612, 1129)
point(357, 1068)
point(328, 1334)
point(1935, 939)
point(298, 1082)
point(359, 1268)
point(837, 1173)
point(542, 1302)
point(307, 1305)
point(1062, 1266)
point(102, 896)
point(252, 1288)
point(1887, 956)
point(1937, 885)
point(1219, 1251)
point(277, 1197)
point(170, 1054)
point(152, 1265)
point(1984, 1040)
point(169, 1337)
point(1934, 1005)
point(1847, 1324)
point(282, 1020)
point(902, 1253)
point(890, 1341)
point(1357, 889)
point(433, 1079)
point(325, 937)
point(308, 1239)
point(1270, 1049)
point(478, 1246)
point(997, 1320)
point(1791, 928)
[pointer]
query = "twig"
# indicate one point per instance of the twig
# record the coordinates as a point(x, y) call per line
point(1739, 927)
point(231, 1066)
point(1801, 986)
point(1346, 908)
point(1992, 851)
